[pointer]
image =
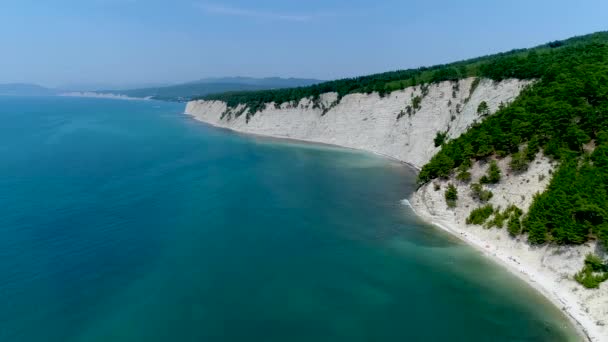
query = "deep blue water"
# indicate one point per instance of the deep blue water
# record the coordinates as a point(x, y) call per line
point(127, 221)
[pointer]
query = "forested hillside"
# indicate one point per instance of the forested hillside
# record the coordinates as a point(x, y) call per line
point(565, 115)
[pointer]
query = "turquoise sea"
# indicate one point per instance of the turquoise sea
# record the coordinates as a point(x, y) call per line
point(127, 221)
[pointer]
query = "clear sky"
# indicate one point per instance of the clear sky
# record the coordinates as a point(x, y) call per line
point(59, 42)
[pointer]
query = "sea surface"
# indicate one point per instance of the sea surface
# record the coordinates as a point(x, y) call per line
point(128, 221)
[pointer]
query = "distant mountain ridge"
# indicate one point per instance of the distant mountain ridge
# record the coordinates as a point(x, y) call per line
point(25, 89)
point(270, 81)
point(202, 87)
point(177, 92)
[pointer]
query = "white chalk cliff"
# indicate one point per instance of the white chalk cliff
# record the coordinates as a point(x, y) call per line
point(368, 121)
point(384, 125)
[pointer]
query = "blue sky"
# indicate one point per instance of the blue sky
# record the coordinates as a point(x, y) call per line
point(147, 41)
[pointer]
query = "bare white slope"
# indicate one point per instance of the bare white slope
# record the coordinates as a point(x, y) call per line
point(368, 121)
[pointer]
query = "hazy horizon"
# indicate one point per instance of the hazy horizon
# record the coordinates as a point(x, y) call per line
point(130, 43)
point(96, 86)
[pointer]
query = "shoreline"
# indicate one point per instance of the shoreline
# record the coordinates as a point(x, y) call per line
point(581, 323)
point(312, 142)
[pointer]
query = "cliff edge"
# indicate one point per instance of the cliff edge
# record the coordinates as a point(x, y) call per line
point(400, 125)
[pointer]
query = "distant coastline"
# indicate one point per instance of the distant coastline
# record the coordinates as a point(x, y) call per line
point(92, 94)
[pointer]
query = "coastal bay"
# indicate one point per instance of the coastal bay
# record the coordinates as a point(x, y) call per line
point(216, 235)
point(366, 122)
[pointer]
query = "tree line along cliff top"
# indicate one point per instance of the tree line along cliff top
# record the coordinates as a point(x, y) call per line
point(519, 63)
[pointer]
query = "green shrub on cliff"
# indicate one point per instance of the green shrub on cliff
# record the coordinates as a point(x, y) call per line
point(464, 176)
point(514, 225)
point(480, 215)
point(474, 86)
point(519, 162)
point(493, 175)
point(451, 195)
point(594, 272)
point(440, 138)
point(483, 108)
point(479, 193)
point(511, 215)
point(416, 101)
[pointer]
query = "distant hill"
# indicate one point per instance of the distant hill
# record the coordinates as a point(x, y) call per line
point(189, 90)
point(96, 86)
point(25, 89)
point(276, 82)
point(177, 92)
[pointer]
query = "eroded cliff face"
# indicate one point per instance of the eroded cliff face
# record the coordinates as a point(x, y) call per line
point(369, 122)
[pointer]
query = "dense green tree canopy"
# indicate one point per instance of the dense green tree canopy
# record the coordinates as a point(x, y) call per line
point(564, 114)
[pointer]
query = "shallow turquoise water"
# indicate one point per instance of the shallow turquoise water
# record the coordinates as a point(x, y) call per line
point(126, 221)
